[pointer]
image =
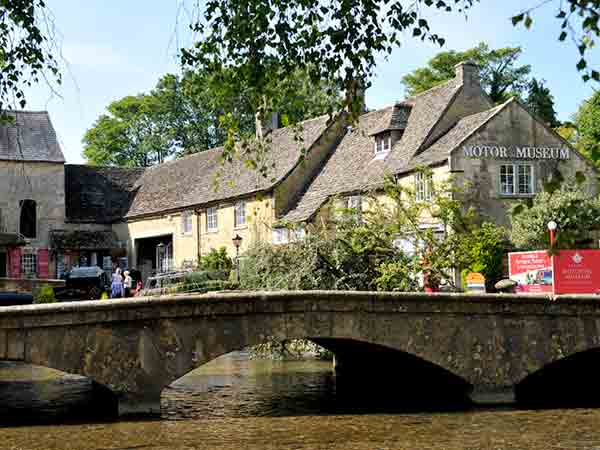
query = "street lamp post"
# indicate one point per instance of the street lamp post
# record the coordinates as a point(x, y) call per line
point(552, 226)
point(237, 242)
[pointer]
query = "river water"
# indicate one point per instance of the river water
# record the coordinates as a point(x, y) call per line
point(238, 403)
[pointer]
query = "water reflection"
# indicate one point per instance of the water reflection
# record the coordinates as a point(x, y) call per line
point(237, 403)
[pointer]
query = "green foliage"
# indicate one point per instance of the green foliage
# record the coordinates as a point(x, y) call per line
point(362, 253)
point(486, 248)
point(299, 265)
point(206, 280)
point(579, 21)
point(27, 51)
point(575, 211)
point(44, 294)
point(192, 113)
point(501, 77)
point(541, 102)
point(587, 128)
point(217, 260)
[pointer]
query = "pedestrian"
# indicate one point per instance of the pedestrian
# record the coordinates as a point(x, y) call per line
point(127, 284)
point(117, 284)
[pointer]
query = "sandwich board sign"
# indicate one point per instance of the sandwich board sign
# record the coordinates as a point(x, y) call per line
point(475, 282)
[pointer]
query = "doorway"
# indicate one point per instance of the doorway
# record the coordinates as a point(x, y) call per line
point(3, 260)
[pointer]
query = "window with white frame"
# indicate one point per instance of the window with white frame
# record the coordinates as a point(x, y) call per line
point(516, 179)
point(28, 264)
point(240, 214)
point(186, 222)
point(423, 186)
point(212, 223)
point(354, 203)
point(383, 143)
point(281, 236)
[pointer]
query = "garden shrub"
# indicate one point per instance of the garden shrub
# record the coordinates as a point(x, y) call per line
point(217, 260)
point(44, 294)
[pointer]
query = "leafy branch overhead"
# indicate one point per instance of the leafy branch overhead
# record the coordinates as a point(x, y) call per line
point(579, 21)
point(339, 40)
point(27, 50)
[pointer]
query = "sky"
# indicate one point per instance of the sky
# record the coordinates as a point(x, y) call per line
point(112, 48)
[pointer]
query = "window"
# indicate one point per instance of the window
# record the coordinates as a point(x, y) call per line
point(281, 236)
point(354, 203)
point(28, 219)
point(240, 214)
point(212, 223)
point(93, 197)
point(28, 264)
point(186, 222)
point(516, 179)
point(383, 143)
point(507, 179)
point(423, 186)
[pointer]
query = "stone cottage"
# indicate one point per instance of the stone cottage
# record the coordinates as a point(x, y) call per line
point(170, 215)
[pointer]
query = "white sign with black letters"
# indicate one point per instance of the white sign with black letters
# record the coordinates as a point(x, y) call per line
point(515, 152)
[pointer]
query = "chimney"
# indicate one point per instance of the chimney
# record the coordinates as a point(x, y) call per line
point(468, 73)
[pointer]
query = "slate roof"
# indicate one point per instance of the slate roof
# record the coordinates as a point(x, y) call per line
point(83, 240)
point(99, 194)
point(203, 178)
point(350, 168)
point(440, 150)
point(30, 138)
point(427, 110)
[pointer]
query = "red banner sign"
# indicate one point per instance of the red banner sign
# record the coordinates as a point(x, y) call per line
point(42, 257)
point(15, 262)
point(577, 272)
point(532, 271)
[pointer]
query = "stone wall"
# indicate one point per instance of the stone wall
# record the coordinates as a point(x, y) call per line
point(513, 126)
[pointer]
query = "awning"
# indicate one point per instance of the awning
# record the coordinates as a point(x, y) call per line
point(83, 240)
point(11, 240)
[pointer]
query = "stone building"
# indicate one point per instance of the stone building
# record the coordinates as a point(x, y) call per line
point(169, 215)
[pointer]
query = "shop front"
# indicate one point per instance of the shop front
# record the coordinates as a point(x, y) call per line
point(87, 249)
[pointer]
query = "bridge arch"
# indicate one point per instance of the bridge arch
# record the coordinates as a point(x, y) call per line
point(566, 381)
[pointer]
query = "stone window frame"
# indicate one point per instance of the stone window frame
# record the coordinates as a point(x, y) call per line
point(29, 264)
point(239, 214)
point(187, 223)
point(423, 187)
point(383, 143)
point(516, 169)
point(212, 219)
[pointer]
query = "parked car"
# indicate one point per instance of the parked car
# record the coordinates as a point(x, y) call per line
point(84, 283)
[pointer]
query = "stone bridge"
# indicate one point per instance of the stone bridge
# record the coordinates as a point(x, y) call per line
point(490, 345)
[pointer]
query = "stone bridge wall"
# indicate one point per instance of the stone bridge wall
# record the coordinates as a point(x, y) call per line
point(136, 347)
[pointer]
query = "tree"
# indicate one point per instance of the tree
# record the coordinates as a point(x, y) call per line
point(27, 50)
point(338, 40)
point(191, 113)
point(500, 74)
point(133, 134)
point(541, 102)
point(587, 125)
point(574, 210)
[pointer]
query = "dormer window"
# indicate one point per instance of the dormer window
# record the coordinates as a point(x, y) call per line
point(383, 143)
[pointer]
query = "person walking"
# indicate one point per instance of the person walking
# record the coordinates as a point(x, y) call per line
point(127, 284)
point(117, 284)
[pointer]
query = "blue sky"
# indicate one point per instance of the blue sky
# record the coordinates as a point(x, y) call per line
point(116, 48)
